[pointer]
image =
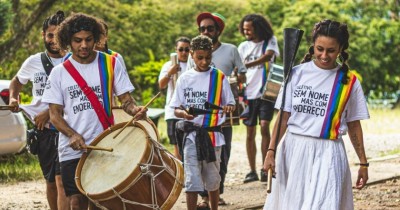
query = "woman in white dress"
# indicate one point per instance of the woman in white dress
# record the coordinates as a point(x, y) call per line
point(324, 101)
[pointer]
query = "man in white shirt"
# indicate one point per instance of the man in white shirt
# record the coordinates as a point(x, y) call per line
point(258, 54)
point(36, 69)
point(71, 109)
point(169, 74)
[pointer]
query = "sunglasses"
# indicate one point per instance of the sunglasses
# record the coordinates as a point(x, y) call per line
point(202, 29)
point(186, 49)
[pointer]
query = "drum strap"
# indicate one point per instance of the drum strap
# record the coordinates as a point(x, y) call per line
point(100, 111)
point(265, 67)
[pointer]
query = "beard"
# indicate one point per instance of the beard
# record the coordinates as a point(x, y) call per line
point(49, 48)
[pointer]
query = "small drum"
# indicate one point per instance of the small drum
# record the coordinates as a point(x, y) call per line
point(139, 174)
point(235, 115)
point(273, 84)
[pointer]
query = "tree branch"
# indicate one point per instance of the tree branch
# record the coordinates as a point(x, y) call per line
point(10, 46)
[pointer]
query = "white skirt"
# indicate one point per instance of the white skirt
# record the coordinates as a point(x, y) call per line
point(311, 173)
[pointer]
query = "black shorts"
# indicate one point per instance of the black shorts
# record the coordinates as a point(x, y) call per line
point(68, 169)
point(171, 131)
point(48, 153)
point(259, 109)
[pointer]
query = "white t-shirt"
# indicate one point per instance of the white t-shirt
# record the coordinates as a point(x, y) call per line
point(308, 94)
point(225, 58)
point(251, 51)
point(32, 70)
point(62, 89)
point(169, 112)
point(193, 91)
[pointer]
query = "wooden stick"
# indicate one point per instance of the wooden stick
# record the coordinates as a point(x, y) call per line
point(269, 183)
point(99, 148)
point(7, 107)
point(130, 121)
point(231, 117)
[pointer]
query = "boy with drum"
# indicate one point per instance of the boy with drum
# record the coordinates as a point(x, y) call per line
point(203, 135)
point(258, 54)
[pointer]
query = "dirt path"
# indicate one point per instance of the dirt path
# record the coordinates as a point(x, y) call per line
point(382, 195)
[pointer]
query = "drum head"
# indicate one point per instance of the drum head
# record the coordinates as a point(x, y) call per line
point(112, 168)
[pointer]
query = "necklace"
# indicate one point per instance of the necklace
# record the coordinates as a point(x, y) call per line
point(51, 61)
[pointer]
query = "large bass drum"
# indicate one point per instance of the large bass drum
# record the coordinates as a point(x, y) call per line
point(139, 174)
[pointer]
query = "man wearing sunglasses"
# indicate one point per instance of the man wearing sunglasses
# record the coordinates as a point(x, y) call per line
point(225, 57)
point(167, 78)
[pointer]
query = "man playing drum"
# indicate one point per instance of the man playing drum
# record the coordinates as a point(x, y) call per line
point(72, 111)
point(258, 54)
point(225, 57)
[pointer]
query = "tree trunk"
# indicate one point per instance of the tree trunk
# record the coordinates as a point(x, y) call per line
point(20, 31)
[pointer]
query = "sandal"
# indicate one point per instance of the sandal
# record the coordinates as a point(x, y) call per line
point(203, 205)
point(221, 202)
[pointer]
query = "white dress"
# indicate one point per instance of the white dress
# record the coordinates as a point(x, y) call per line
point(313, 172)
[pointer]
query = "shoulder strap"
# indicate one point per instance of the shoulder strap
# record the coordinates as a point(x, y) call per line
point(47, 65)
point(99, 109)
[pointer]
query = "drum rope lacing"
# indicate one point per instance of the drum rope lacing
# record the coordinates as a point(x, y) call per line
point(145, 169)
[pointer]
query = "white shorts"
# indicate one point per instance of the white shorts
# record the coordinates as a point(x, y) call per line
point(200, 175)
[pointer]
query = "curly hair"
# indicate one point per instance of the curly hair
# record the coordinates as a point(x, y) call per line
point(336, 30)
point(201, 42)
point(262, 27)
point(76, 23)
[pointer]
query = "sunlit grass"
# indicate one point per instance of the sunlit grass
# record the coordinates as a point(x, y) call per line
point(23, 167)
point(382, 121)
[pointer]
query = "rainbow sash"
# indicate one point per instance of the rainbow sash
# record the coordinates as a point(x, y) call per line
point(339, 96)
point(214, 97)
point(112, 53)
point(106, 71)
point(265, 67)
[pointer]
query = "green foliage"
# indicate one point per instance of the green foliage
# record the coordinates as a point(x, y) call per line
point(137, 27)
point(21, 167)
point(5, 15)
point(147, 73)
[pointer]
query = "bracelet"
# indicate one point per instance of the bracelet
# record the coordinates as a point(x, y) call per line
point(363, 166)
point(271, 150)
point(366, 165)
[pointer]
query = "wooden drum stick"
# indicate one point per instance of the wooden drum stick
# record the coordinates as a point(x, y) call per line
point(99, 148)
point(269, 183)
point(130, 121)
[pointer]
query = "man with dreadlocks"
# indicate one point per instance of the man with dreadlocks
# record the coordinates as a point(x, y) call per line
point(203, 136)
point(258, 54)
point(36, 69)
point(78, 116)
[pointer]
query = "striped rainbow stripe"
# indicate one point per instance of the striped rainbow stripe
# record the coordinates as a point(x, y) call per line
point(214, 97)
point(106, 71)
point(265, 67)
point(339, 96)
point(112, 53)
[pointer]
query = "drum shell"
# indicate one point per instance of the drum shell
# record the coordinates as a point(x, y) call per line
point(238, 108)
point(137, 187)
point(273, 83)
